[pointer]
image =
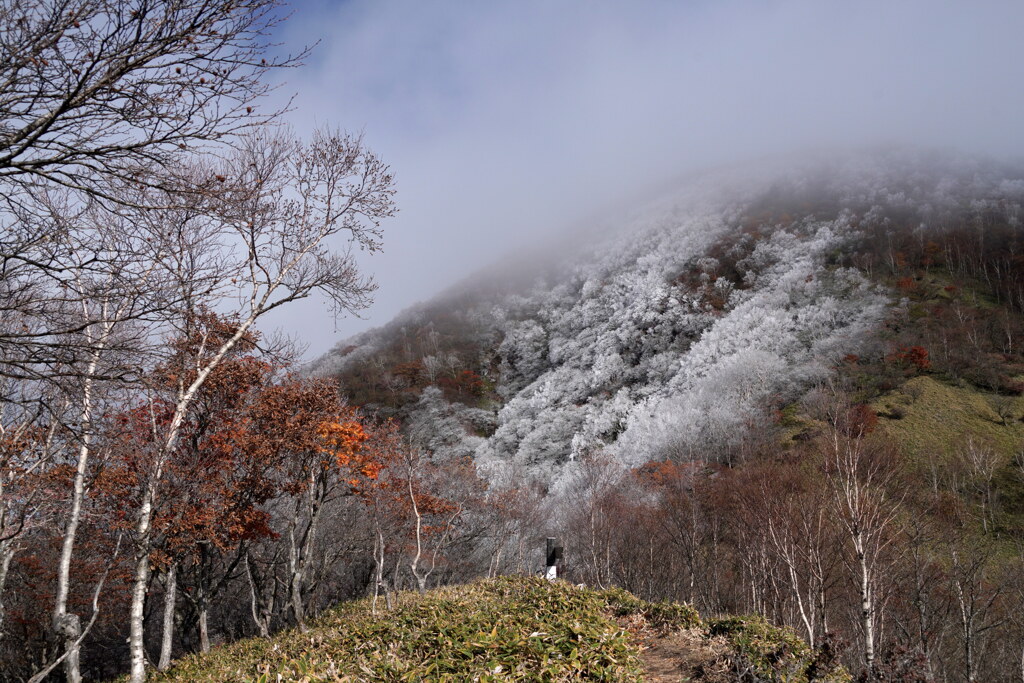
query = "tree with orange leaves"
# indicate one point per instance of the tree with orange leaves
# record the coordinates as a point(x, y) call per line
point(382, 451)
point(257, 459)
point(315, 444)
point(214, 490)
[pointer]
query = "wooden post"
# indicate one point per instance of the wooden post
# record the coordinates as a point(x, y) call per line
point(553, 555)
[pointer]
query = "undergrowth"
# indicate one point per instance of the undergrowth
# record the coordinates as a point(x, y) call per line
point(504, 629)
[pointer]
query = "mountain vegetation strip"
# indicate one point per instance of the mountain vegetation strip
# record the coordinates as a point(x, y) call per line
point(515, 629)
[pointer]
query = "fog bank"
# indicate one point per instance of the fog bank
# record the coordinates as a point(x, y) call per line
point(504, 121)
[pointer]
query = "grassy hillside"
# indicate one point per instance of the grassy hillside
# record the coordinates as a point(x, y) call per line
point(515, 629)
point(930, 418)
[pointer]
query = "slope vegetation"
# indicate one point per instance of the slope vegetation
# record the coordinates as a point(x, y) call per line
point(677, 336)
point(516, 629)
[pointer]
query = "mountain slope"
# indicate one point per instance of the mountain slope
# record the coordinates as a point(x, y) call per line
point(682, 333)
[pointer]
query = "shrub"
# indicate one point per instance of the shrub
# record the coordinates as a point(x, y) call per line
point(764, 652)
point(664, 616)
point(505, 629)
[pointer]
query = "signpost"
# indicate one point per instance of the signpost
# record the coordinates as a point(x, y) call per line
point(554, 555)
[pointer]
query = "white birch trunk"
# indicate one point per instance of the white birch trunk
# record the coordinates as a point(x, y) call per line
point(68, 626)
point(136, 643)
point(204, 628)
point(170, 596)
point(867, 611)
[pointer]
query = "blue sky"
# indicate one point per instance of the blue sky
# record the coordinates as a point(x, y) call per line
point(506, 121)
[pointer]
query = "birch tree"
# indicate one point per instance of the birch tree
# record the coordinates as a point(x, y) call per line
point(99, 96)
point(281, 228)
point(860, 475)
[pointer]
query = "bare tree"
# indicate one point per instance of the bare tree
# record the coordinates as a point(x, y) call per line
point(860, 475)
point(981, 462)
point(96, 89)
point(114, 306)
point(97, 96)
point(978, 590)
point(590, 518)
point(26, 442)
point(264, 587)
point(99, 99)
point(433, 365)
point(268, 238)
point(427, 506)
point(799, 531)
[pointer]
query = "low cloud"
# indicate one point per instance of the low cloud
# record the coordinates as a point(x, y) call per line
point(504, 121)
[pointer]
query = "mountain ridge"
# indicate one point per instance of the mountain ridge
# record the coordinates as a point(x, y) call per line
point(676, 335)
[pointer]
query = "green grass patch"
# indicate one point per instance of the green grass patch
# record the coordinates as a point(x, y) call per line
point(930, 419)
point(771, 653)
point(663, 616)
point(506, 629)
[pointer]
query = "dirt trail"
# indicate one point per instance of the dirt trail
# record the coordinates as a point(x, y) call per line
point(680, 655)
point(666, 659)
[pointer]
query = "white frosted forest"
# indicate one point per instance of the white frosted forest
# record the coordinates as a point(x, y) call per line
point(646, 346)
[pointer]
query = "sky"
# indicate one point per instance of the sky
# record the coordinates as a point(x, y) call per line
point(507, 122)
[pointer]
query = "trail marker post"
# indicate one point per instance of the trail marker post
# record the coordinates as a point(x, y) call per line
point(554, 554)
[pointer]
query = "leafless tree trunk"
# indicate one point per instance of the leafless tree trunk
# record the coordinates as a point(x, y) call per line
point(982, 462)
point(859, 479)
point(7, 552)
point(204, 628)
point(378, 568)
point(170, 598)
point(379, 546)
point(262, 599)
point(421, 573)
point(302, 532)
point(421, 579)
point(977, 595)
point(68, 626)
point(803, 592)
point(22, 454)
point(72, 649)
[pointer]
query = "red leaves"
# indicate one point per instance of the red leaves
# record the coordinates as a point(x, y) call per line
point(911, 357)
point(860, 420)
point(412, 372)
point(466, 383)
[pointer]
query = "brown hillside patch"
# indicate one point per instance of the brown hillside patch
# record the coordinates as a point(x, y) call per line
point(680, 655)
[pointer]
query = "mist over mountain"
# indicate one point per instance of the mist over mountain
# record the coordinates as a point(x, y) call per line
point(505, 121)
point(681, 332)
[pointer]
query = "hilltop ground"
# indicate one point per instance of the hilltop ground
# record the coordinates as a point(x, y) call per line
point(515, 629)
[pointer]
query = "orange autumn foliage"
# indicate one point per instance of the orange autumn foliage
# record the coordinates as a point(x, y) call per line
point(344, 441)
